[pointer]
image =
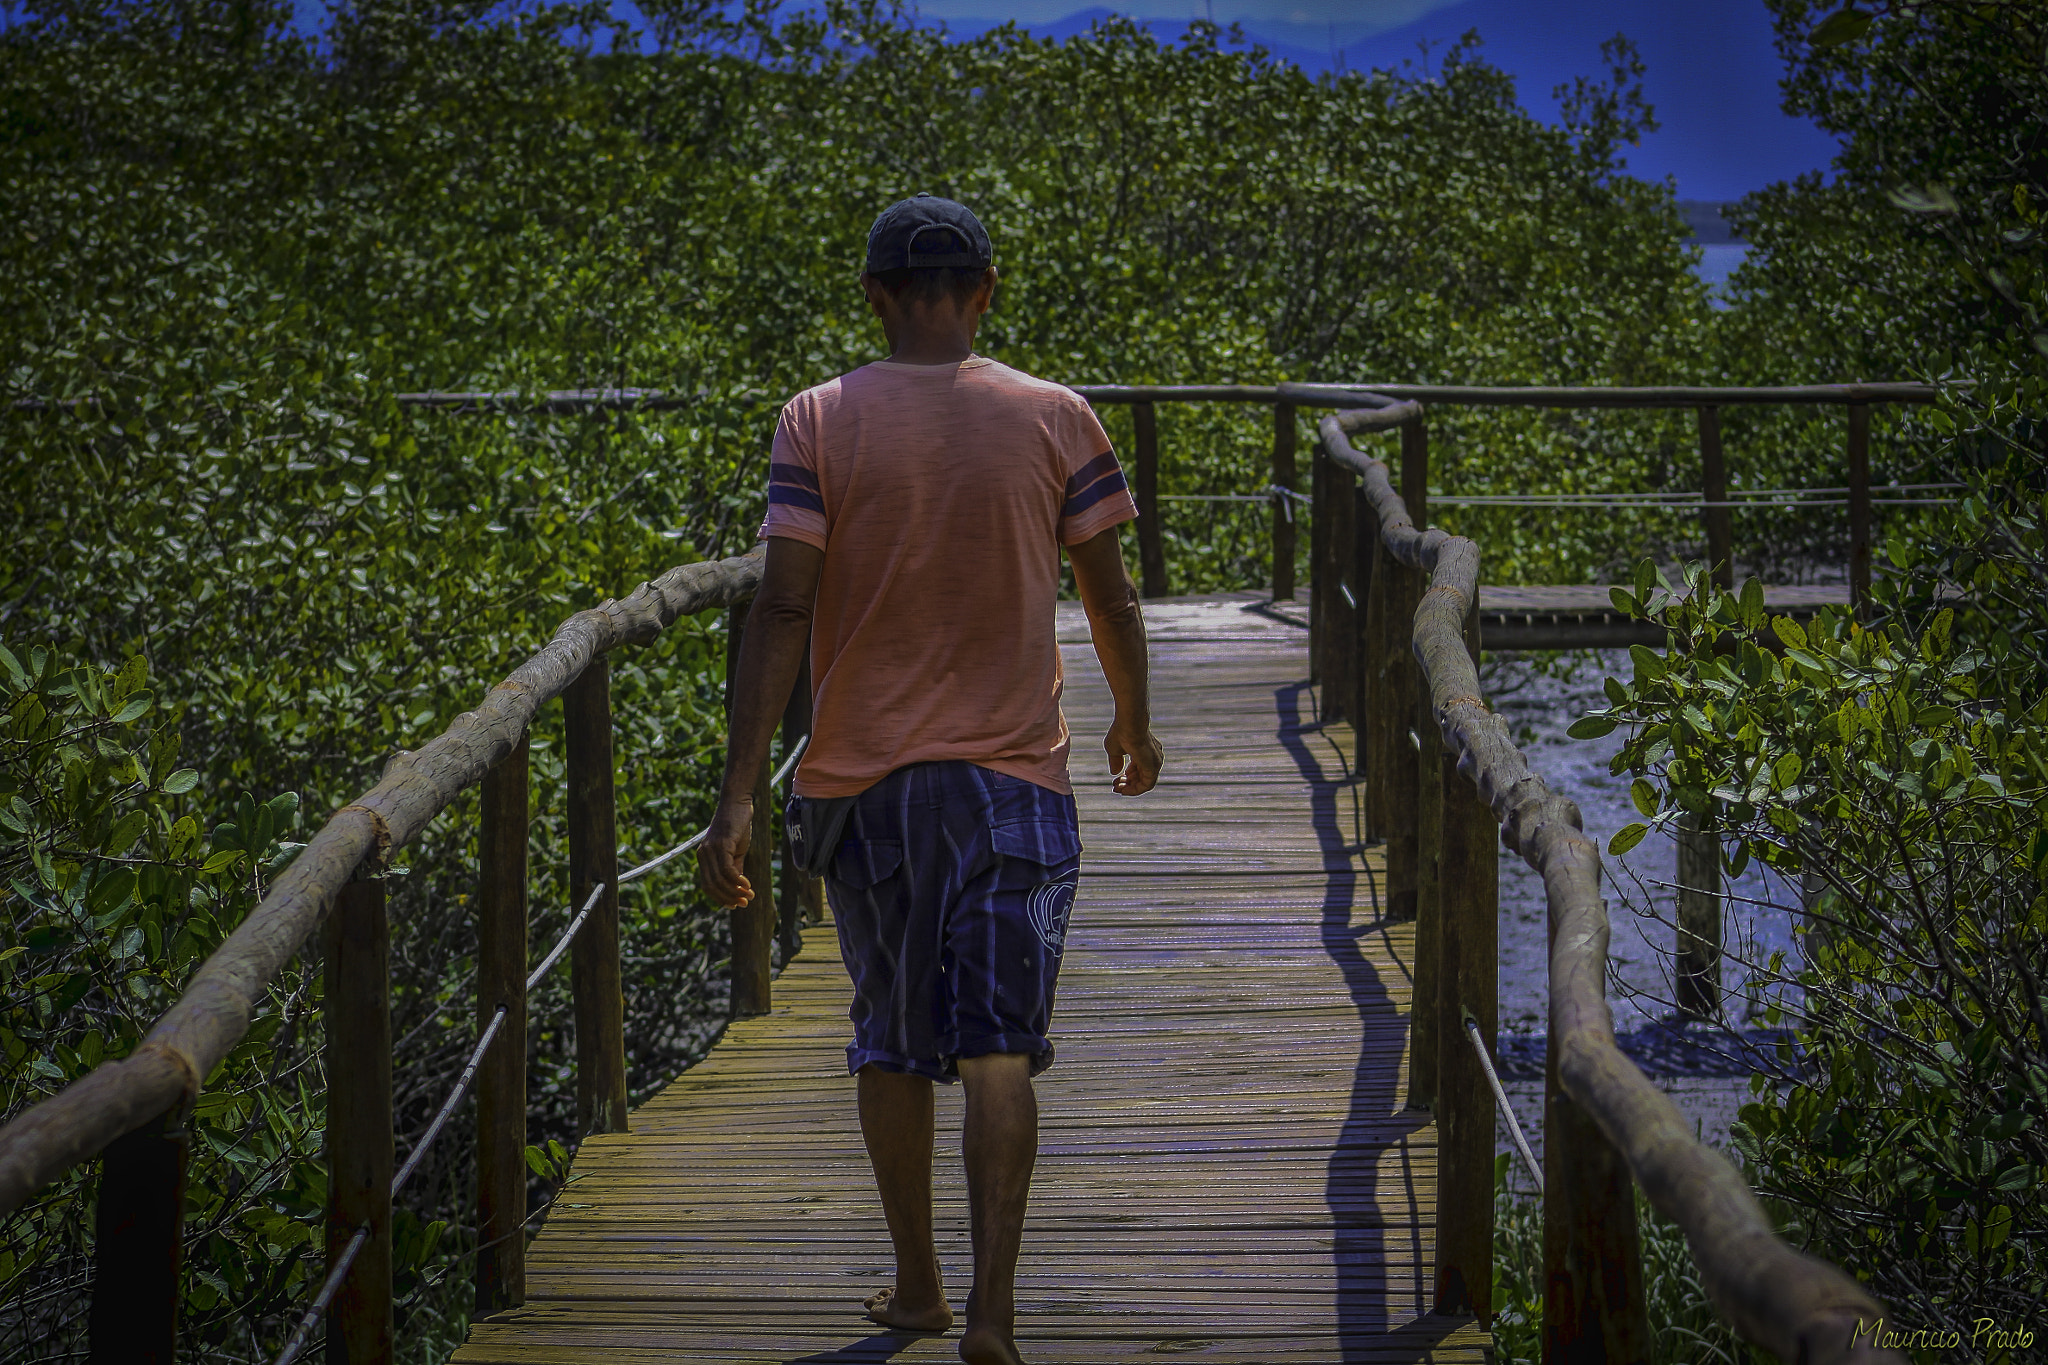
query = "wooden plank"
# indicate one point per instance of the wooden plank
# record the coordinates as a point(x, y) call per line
point(1226, 1171)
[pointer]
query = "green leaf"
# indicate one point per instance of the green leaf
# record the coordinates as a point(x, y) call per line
point(125, 832)
point(223, 859)
point(1647, 577)
point(1752, 601)
point(1924, 199)
point(1649, 663)
point(1643, 794)
point(1626, 838)
point(1786, 771)
point(1624, 601)
point(1591, 727)
point(282, 859)
point(181, 781)
point(2020, 1177)
point(110, 891)
point(1788, 631)
point(1843, 26)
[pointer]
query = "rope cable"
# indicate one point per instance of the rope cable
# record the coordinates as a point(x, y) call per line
point(318, 1308)
point(462, 1084)
point(1500, 1097)
point(1742, 498)
point(686, 845)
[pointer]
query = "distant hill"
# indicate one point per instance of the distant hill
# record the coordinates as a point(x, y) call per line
point(1705, 217)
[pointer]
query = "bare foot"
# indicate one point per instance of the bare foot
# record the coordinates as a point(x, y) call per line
point(884, 1309)
point(987, 1346)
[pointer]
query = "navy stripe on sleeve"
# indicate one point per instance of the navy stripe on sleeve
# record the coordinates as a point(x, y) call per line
point(1091, 471)
point(795, 497)
point(1081, 502)
point(779, 472)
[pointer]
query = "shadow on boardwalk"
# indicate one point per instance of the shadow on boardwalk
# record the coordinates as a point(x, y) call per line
point(1366, 1306)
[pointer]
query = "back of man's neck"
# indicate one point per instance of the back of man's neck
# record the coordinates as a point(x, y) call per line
point(931, 354)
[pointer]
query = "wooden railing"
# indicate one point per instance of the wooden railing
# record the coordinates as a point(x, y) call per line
point(1715, 504)
point(1438, 802)
point(132, 1110)
point(1606, 1121)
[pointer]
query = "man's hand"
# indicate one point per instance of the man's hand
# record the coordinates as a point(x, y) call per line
point(1134, 757)
point(778, 625)
point(724, 852)
point(1118, 628)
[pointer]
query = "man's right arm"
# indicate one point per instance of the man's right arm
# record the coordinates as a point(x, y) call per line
point(1118, 629)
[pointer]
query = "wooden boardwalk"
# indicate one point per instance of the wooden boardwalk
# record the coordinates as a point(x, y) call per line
point(1226, 1172)
point(1583, 615)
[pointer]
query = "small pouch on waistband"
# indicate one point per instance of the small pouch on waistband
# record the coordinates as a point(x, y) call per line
point(815, 828)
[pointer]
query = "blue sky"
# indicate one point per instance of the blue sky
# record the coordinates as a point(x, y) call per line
point(1712, 70)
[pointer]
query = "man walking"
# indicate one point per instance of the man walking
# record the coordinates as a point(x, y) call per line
point(916, 509)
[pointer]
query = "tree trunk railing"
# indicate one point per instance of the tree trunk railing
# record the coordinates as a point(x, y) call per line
point(132, 1109)
point(1608, 1127)
point(1374, 571)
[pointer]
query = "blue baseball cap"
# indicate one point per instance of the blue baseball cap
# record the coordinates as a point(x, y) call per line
point(927, 231)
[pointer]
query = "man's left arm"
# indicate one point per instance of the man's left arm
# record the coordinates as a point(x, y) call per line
point(778, 632)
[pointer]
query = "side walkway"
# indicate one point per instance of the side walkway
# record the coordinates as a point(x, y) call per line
point(1226, 1174)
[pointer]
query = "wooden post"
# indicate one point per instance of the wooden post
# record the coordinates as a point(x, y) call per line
point(1714, 489)
point(1593, 1303)
point(1698, 975)
point(1283, 514)
point(753, 925)
point(1859, 510)
point(138, 1244)
point(763, 915)
point(1151, 535)
point(1365, 544)
point(1340, 612)
point(1415, 473)
point(1380, 730)
point(501, 966)
point(1399, 698)
point(799, 897)
point(1426, 1036)
point(600, 1001)
point(1467, 985)
point(357, 946)
point(1318, 568)
point(1400, 690)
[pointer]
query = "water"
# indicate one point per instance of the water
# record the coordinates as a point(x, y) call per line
point(1641, 899)
point(1717, 262)
point(1708, 1084)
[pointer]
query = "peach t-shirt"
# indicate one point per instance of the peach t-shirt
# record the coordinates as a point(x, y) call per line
point(941, 495)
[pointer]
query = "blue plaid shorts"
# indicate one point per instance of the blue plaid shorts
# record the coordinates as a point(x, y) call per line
point(951, 890)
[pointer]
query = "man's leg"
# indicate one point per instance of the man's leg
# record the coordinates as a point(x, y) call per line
point(1001, 1146)
point(896, 1122)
